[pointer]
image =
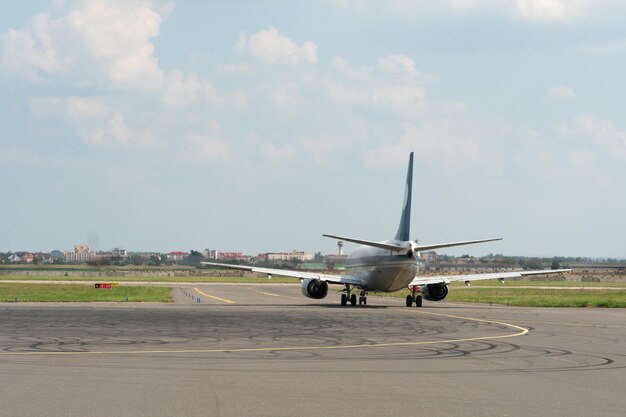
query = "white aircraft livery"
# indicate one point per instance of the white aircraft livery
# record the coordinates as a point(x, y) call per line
point(386, 266)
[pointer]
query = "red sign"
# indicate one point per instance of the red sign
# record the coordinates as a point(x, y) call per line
point(103, 286)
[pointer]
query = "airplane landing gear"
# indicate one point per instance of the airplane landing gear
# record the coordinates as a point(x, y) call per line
point(348, 296)
point(414, 297)
point(353, 300)
point(363, 298)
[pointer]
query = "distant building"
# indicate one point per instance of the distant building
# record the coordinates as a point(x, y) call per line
point(429, 257)
point(335, 259)
point(177, 256)
point(286, 256)
point(232, 255)
point(27, 258)
point(82, 248)
point(82, 254)
point(210, 253)
point(42, 257)
point(119, 253)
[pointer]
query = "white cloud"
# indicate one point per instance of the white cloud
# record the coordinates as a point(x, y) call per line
point(400, 97)
point(269, 150)
point(271, 46)
point(28, 53)
point(392, 63)
point(70, 109)
point(115, 132)
point(182, 89)
point(455, 145)
point(92, 41)
point(237, 68)
point(342, 94)
point(531, 10)
point(469, 5)
point(92, 119)
point(205, 148)
point(534, 10)
point(561, 92)
point(372, 85)
point(599, 132)
point(556, 10)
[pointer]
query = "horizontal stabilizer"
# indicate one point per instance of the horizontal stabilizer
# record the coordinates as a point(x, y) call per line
point(381, 245)
point(450, 244)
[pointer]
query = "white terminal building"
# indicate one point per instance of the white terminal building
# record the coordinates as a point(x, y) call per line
point(82, 253)
point(287, 256)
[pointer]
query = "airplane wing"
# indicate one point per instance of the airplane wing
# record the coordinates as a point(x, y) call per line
point(331, 279)
point(446, 279)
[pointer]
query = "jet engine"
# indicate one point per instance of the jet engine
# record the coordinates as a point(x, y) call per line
point(436, 292)
point(314, 288)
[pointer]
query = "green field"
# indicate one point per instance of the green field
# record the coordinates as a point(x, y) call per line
point(103, 268)
point(540, 297)
point(80, 293)
point(531, 297)
point(509, 293)
point(528, 283)
point(277, 279)
point(135, 278)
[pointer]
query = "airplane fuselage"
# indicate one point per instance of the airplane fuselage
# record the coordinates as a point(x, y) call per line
point(380, 269)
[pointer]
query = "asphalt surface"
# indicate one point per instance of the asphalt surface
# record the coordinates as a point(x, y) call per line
point(264, 350)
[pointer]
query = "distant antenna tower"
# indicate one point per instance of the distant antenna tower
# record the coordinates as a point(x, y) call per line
point(340, 246)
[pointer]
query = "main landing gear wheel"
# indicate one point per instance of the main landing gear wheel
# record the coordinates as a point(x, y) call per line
point(353, 299)
point(363, 297)
point(418, 301)
point(344, 299)
point(409, 300)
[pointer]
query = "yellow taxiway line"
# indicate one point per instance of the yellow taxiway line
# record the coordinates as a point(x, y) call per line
point(225, 300)
point(271, 294)
point(520, 332)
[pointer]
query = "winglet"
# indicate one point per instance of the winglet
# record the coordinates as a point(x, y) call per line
point(404, 228)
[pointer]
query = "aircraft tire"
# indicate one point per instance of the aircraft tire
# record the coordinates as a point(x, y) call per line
point(353, 299)
point(344, 299)
point(364, 301)
point(409, 300)
point(418, 301)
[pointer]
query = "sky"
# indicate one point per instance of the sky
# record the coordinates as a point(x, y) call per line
point(257, 126)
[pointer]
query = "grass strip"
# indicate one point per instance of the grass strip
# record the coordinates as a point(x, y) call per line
point(531, 297)
point(529, 283)
point(134, 278)
point(81, 293)
point(283, 280)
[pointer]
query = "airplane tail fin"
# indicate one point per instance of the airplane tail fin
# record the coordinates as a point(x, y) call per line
point(404, 229)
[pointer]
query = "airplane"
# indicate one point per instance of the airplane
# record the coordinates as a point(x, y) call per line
point(386, 266)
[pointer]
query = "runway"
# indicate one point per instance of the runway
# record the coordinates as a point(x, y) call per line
point(264, 350)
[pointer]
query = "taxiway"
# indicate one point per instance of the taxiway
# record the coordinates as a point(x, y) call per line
point(265, 350)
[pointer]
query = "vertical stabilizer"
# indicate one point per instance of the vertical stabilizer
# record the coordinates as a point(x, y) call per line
point(404, 229)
